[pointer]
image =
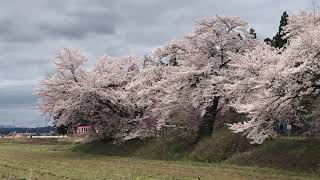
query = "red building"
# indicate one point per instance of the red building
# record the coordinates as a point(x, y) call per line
point(81, 129)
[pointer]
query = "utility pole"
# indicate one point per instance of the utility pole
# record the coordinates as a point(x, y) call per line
point(38, 129)
point(46, 126)
point(13, 128)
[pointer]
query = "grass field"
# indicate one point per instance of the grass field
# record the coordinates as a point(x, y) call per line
point(56, 160)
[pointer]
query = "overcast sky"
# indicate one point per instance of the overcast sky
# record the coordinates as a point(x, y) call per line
point(32, 31)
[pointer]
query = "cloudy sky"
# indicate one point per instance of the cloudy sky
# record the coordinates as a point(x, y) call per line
point(32, 31)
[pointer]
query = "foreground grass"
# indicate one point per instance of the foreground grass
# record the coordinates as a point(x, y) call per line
point(294, 154)
point(41, 160)
point(298, 154)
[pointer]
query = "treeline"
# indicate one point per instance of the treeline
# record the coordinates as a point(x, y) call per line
point(37, 130)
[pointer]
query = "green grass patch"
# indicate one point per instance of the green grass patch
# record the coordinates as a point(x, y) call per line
point(162, 148)
point(295, 154)
point(32, 161)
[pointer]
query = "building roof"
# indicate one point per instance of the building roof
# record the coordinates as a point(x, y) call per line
point(84, 126)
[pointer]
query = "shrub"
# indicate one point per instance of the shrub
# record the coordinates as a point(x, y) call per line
point(220, 146)
point(169, 146)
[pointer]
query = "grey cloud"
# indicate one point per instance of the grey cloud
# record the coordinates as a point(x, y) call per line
point(49, 21)
point(77, 29)
point(6, 26)
point(18, 103)
point(80, 23)
point(23, 68)
point(17, 96)
point(149, 37)
point(23, 117)
point(11, 31)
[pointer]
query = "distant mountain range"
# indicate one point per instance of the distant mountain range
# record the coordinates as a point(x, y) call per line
point(6, 129)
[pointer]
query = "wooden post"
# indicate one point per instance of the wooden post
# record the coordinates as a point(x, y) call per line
point(289, 129)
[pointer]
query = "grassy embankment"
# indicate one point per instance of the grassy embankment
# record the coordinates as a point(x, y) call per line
point(285, 158)
point(296, 154)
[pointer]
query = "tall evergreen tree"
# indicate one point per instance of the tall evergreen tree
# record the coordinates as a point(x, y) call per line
point(268, 41)
point(253, 33)
point(279, 40)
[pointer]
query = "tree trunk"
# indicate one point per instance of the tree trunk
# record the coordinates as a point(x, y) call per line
point(207, 121)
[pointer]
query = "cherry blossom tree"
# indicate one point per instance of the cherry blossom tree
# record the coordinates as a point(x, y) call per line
point(271, 84)
point(74, 95)
point(191, 71)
